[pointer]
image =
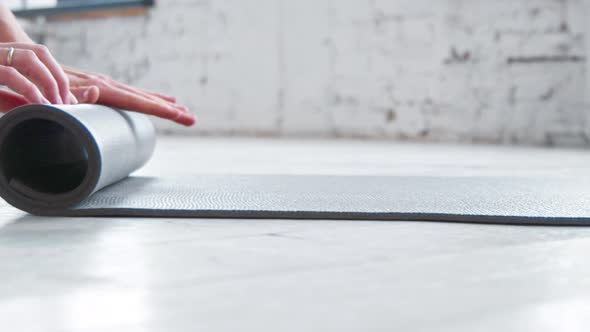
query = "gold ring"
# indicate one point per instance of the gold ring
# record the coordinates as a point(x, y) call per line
point(9, 57)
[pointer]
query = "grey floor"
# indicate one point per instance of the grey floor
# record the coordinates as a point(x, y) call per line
point(116, 274)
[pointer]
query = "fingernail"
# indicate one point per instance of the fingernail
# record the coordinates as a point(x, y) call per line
point(85, 94)
point(73, 98)
point(186, 119)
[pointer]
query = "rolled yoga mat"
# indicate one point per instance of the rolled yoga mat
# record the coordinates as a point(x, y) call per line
point(76, 161)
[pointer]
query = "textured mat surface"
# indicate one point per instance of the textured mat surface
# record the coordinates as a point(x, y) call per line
point(76, 162)
point(471, 199)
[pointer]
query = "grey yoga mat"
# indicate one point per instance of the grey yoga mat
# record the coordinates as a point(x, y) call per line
point(76, 161)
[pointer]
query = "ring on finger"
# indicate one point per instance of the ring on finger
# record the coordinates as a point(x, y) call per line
point(10, 56)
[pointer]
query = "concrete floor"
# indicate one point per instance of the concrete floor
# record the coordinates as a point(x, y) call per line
point(116, 274)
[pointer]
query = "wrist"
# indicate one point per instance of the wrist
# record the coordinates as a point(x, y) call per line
point(10, 28)
point(8, 34)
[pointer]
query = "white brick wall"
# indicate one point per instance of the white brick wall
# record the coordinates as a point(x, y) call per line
point(466, 70)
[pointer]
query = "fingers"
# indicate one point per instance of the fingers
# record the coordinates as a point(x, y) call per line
point(92, 76)
point(54, 68)
point(21, 85)
point(164, 97)
point(10, 100)
point(148, 95)
point(117, 97)
point(86, 94)
point(116, 94)
point(28, 63)
point(72, 98)
point(167, 98)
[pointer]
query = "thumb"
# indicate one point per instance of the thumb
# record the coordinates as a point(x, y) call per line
point(10, 100)
point(86, 94)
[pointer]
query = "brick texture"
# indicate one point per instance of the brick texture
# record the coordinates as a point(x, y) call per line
point(508, 71)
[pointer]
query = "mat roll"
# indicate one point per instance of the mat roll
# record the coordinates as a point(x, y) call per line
point(77, 161)
point(54, 157)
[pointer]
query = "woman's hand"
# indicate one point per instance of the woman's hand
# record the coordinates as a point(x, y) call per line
point(10, 100)
point(94, 88)
point(34, 76)
point(31, 71)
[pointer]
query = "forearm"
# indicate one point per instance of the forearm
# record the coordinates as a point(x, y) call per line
point(10, 29)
